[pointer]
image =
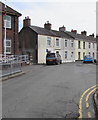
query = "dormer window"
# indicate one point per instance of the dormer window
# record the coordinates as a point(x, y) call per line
point(7, 21)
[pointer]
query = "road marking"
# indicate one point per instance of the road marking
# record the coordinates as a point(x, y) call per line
point(87, 98)
point(81, 98)
point(89, 115)
point(87, 104)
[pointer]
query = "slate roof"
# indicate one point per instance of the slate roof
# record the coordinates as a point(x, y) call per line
point(66, 34)
point(81, 37)
point(43, 31)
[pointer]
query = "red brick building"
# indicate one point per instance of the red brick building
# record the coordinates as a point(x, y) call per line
point(12, 43)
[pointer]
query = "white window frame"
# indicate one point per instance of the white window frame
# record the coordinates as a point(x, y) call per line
point(10, 46)
point(89, 53)
point(66, 54)
point(66, 43)
point(72, 54)
point(89, 45)
point(84, 45)
point(48, 41)
point(79, 44)
point(8, 22)
point(72, 43)
point(83, 54)
point(93, 55)
point(93, 45)
point(57, 42)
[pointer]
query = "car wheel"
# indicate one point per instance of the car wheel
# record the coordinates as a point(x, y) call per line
point(47, 64)
point(60, 62)
point(57, 63)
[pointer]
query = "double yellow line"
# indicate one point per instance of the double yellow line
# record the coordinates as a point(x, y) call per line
point(81, 99)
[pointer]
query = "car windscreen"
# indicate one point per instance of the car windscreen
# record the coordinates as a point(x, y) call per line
point(51, 55)
point(87, 57)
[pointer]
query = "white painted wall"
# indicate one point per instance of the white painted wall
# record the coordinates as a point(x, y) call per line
point(42, 46)
point(79, 50)
point(86, 50)
point(91, 49)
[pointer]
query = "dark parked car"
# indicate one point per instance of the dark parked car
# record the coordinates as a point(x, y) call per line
point(88, 59)
point(53, 58)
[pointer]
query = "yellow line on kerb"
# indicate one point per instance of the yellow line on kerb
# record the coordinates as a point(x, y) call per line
point(87, 98)
point(81, 98)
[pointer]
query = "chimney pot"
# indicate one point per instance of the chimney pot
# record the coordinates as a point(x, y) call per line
point(27, 22)
point(62, 29)
point(74, 31)
point(84, 33)
point(92, 35)
point(47, 25)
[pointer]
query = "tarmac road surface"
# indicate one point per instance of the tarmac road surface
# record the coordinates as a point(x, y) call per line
point(52, 91)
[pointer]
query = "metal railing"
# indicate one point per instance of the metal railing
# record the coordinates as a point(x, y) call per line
point(13, 58)
point(11, 64)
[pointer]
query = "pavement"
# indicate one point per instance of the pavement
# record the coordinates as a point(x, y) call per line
point(24, 70)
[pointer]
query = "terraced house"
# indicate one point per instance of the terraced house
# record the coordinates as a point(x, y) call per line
point(12, 43)
point(37, 41)
point(84, 45)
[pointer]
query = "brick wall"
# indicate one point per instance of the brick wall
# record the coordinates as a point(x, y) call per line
point(12, 34)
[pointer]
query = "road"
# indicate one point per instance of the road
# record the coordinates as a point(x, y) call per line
point(52, 91)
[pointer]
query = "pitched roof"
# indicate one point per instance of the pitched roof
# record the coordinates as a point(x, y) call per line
point(43, 31)
point(66, 34)
point(81, 37)
point(9, 10)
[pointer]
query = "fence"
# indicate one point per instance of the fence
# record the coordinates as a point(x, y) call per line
point(11, 64)
point(13, 58)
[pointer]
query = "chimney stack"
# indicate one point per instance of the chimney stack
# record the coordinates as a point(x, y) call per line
point(74, 31)
point(84, 33)
point(47, 25)
point(62, 29)
point(26, 22)
point(92, 35)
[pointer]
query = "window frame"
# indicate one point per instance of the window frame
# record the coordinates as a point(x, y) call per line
point(66, 54)
point(89, 45)
point(9, 46)
point(72, 54)
point(89, 53)
point(93, 45)
point(48, 41)
point(72, 43)
point(83, 45)
point(57, 42)
point(79, 44)
point(8, 22)
point(66, 43)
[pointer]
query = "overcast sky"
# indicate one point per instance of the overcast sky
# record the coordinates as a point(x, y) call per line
point(73, 14)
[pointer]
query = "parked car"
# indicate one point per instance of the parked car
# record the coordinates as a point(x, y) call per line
point(88, 59)
point(53, 58)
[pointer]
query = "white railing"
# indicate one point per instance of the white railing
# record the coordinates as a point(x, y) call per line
point(13, 58)
point(11, 64)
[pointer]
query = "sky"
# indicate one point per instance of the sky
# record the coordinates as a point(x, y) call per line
point(79, 15)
